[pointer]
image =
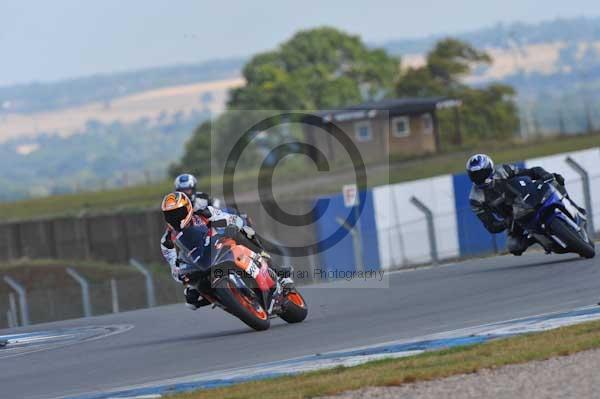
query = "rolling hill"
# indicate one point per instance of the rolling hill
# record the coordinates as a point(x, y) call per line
point(119, 129)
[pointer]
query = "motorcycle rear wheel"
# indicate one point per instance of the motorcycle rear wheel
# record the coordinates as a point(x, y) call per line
point(574, 241)
point(238, 304)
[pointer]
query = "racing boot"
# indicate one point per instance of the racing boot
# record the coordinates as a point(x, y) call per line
point(580, 209)
point(193, 299)
point(287, 284)
point(284, 276)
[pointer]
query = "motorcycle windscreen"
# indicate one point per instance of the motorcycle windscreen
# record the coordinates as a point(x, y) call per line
point(194, 248)
point(528, 196)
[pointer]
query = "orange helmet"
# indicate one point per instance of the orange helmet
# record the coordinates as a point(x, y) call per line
point(177, 210)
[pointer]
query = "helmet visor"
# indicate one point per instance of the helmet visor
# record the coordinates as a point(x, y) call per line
point(479, 177)
point(175, 216)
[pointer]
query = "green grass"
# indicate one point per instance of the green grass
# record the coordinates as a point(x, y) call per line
point(146, 196)
point(75, 204)
point(500, 152)
point(432, 365)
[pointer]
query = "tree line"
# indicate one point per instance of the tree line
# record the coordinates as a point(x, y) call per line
point(325, 68)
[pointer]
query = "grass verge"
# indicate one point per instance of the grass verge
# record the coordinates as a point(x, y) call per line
point(428, 366)
point(500, 152)
point(149, 195)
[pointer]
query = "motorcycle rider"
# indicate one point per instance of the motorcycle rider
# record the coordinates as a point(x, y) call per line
point(186, 183)
point(179, 214)
point(489, 204)
point(203, 203)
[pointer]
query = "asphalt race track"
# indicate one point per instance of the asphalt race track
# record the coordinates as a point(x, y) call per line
point(169, 342)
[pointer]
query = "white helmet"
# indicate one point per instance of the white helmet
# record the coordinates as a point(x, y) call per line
point(480, 169)
point(186, 184)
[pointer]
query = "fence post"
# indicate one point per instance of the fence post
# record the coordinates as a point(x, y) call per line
point(83, 225)
point(587, 196)
point(22, 299)
point(430, 228)
point(17, 248)
point(10, 320)
point(115, 295)
point(12, 303)
point(356, 241)
point(85, 291)
point(151, 299)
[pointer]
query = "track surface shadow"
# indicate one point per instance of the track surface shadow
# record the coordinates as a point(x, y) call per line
point(200, 337)
point(527, 265)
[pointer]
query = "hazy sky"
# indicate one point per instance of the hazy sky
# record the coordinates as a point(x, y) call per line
point(53, 39)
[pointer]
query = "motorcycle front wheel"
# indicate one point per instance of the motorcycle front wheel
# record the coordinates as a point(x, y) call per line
point(573, 240)
point(242, 306)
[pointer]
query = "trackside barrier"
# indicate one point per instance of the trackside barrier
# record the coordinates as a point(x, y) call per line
point(588, 160)
point(150, 295)
point(11, 313)
point(24, 308)
point(587, 196)
point(10, 321)
point(356, 241)
point(342, 255)
point(430, 228)
point(114, 294)
point(85, 291)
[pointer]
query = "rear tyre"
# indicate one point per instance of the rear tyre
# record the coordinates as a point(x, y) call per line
point(294, 308)
point(241, 306)
point(572, 239)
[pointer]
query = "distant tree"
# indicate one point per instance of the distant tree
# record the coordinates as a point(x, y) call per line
point(315, 69)
point(486, 113)
point(452, 59)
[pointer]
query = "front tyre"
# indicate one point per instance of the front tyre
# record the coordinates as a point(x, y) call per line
point(294, 308)
point(241, 306)
point(573, 240)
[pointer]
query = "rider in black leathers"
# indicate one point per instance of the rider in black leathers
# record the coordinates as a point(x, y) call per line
point(489, 205)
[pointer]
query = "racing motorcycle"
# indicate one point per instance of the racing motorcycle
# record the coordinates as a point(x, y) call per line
point(547, 216)
point(238, 280)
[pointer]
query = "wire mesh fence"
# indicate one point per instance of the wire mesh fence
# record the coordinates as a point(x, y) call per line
point(65, 300)
point(459, 233)
point(403, 241)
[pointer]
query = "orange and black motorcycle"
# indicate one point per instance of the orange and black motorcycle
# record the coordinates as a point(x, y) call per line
point(238, 280)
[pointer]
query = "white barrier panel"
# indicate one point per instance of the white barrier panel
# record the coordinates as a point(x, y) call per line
point(590, 160)
point(402, 228)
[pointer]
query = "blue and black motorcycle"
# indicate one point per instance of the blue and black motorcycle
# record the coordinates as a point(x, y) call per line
point(547, 216)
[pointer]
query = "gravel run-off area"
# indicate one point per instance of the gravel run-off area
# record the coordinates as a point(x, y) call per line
point(574, 376)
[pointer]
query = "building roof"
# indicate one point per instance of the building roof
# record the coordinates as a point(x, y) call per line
point(392, 106)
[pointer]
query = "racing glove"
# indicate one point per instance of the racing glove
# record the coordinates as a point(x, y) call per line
point(249, 232)
point(559, 178)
